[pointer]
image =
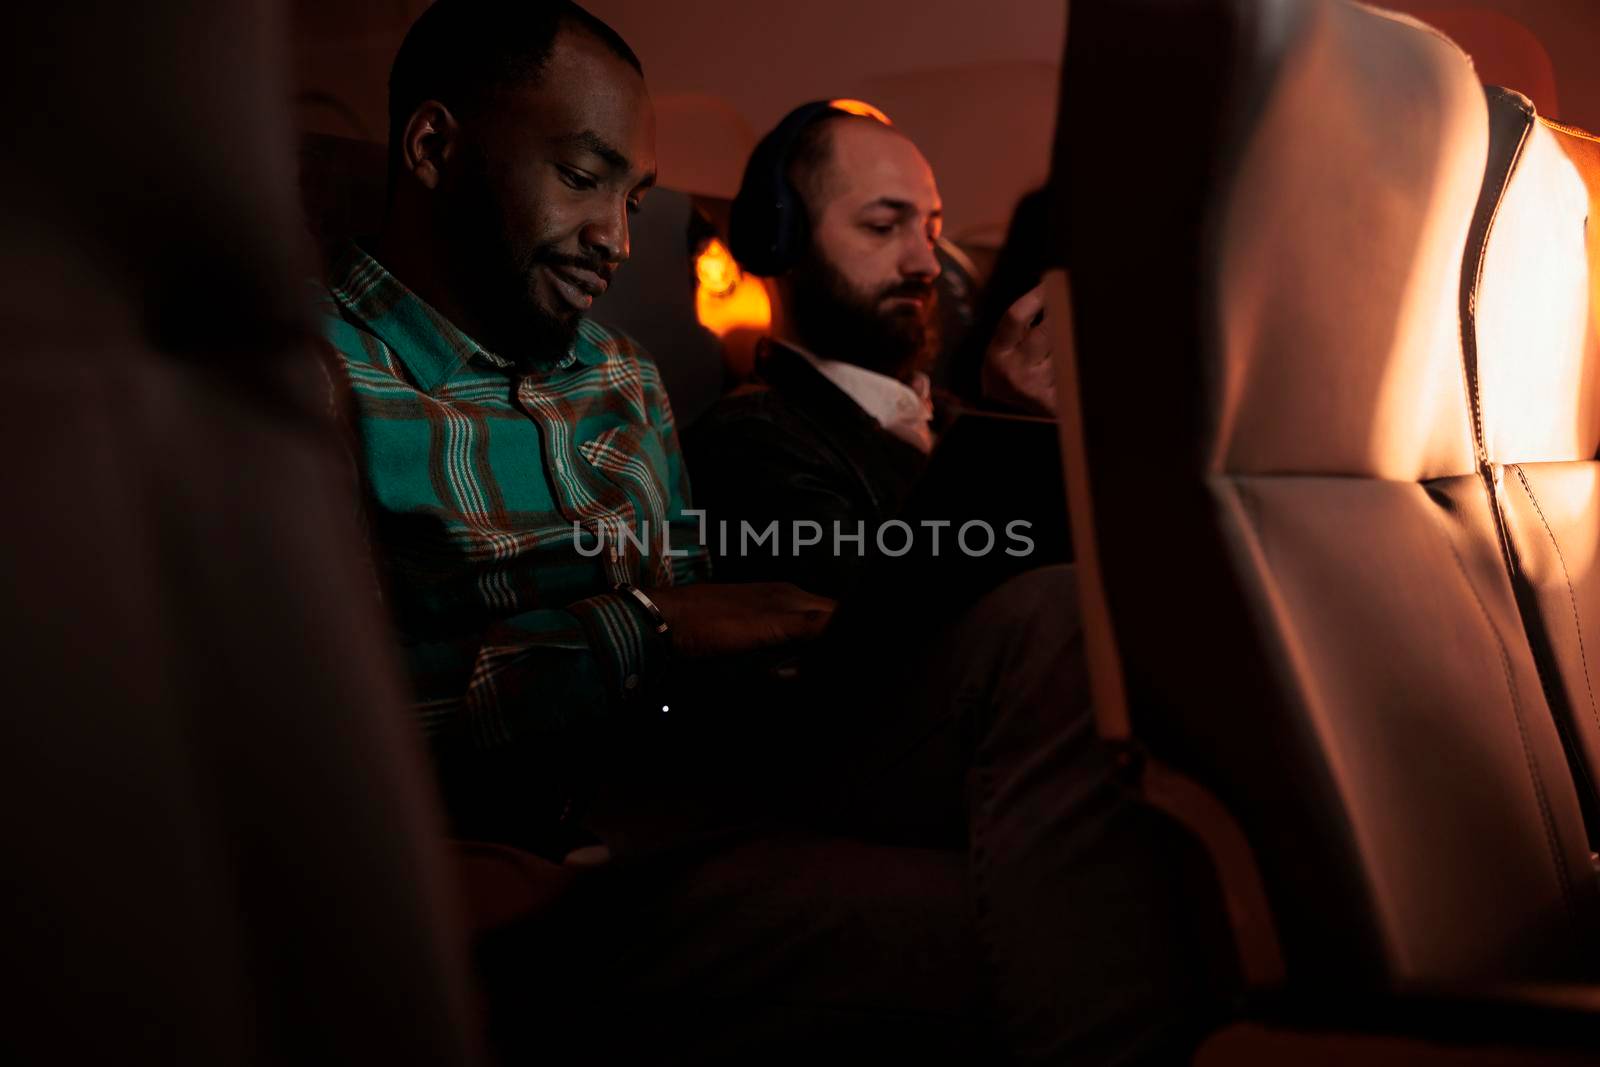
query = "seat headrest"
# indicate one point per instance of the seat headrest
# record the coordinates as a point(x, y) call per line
point(1339, 245)
point(652, 300)
point(343, 186)
point(1323, 174)
point(1538, 297)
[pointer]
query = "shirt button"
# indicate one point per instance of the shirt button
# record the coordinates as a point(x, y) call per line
point(631, 682)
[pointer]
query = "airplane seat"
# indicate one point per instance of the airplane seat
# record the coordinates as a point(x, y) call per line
point(220, 842)
point(652, 300)
point(960, 288)
point(1533, 368)
point(343, 183)
point(1299, 620)
point(1504, 50)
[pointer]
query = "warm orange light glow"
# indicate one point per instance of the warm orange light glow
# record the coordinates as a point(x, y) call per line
point(725, 299)
point(715, 268)
point(862, 108)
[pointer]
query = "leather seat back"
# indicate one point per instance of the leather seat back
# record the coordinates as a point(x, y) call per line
point(221, 841)
point(1534, 373)
point(1297, 598)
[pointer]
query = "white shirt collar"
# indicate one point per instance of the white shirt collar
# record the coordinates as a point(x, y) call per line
point(904, 410)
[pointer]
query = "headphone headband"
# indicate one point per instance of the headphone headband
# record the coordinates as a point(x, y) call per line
point(767, 224)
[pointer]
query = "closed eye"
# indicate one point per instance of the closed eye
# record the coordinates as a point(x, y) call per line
point(577, 179)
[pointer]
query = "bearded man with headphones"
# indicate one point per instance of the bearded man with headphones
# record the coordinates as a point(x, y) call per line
point(842, 212)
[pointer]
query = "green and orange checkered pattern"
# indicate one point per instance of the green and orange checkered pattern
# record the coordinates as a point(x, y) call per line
point(475, 474)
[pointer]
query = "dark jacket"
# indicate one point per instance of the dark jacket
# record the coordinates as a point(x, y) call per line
point(794, 446)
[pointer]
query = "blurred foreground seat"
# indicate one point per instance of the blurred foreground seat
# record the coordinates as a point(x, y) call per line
point(1325, 360)
point(220, 845)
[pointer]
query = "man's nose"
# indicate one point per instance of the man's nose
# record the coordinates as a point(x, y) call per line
point(607, 235)
point(920, 261)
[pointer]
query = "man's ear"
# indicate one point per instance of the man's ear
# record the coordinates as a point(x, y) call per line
point(429, 140)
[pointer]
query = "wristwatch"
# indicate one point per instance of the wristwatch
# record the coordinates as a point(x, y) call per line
point(656, 618)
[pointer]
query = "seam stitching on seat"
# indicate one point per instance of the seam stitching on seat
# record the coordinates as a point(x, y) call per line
point(1563, 876)
point(1583, 135)
point(1572, 595)
point(1467, 321)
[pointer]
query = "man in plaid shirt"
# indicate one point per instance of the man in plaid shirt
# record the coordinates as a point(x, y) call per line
point(500, 495)
point(521, 464)
point(503, 440)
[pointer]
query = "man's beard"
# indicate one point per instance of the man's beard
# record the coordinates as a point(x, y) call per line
point(500, 273)
point(836, 321)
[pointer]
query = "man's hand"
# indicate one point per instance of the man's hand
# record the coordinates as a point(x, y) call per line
point(1017, 369)
point(714, 619)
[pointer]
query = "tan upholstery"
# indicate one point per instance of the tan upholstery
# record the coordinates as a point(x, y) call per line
point(1305, 605)
point(1536, 381)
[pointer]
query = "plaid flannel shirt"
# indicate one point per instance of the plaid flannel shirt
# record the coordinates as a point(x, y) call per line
point(489, 492)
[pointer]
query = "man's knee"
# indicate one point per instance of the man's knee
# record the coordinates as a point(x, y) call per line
point(1040, 602)
point(1019, 650)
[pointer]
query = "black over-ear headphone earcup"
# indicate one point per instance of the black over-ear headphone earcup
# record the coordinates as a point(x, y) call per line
point(767, 224)
point(756, 219)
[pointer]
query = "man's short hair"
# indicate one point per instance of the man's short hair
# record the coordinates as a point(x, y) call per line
point(461, 52)
point(809, 159)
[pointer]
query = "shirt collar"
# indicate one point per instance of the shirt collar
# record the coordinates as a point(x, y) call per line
point(433, 349)
point(905, 410)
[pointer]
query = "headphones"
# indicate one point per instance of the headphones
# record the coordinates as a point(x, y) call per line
point(768, 225)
